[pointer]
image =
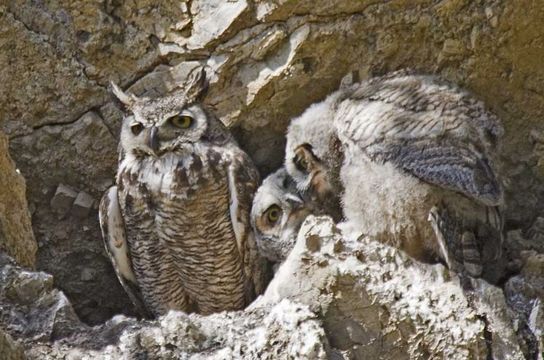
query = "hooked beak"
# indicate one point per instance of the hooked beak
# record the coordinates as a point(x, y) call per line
point(153, 140)
point(294, 201)
point(299, 211)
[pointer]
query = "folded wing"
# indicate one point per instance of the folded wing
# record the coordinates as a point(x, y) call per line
point(115, 241)
point(435, 132)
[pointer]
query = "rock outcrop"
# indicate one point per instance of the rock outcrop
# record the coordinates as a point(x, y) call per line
point(268, 61)
point(10, 349)
point(377, 303)
point(286, 330)
point(339, 296)
point(42, 321)
point(16, 236)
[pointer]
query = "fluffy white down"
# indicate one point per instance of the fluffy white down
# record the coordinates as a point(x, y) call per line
point(313, 127)
point(385, 202)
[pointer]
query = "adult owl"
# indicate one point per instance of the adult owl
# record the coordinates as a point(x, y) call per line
point(276, 215)
point(176, 224)
point(415, 168)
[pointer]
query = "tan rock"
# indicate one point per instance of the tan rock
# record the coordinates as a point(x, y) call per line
point(269, 60)
point(10, 349)
point(16, 235)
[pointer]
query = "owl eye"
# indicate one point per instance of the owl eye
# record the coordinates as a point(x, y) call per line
point(273, 214)
point(181, 121)
point(301, 163)
point(136, 128)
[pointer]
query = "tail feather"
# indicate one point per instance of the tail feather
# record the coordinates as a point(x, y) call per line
point(464, 248)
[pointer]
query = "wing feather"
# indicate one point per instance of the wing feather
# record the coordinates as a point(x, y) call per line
point(432, 106)
point(451, 166)
point(428, 128)
point(243, 181)
point(115, 242)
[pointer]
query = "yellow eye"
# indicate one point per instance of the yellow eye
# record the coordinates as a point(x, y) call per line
point(181, 121)
point(273, 214)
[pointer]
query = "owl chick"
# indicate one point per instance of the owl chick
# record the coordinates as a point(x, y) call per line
point(413, 147)
point(276, 215)
point(313, 157)
point(176, 224)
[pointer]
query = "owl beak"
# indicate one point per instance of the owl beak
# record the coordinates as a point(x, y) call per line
point(294, 201)
point(153, 139)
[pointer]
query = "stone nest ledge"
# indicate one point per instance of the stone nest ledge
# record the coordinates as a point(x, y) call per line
point(337, 296)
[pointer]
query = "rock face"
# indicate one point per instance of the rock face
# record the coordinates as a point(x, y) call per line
point(287, 330)
point(69, 163)
point(9, 349)
point(268, 61)
point(377, 303)
point(16, 236)
point(41, 318)
point(336, 296)
point(32, 309)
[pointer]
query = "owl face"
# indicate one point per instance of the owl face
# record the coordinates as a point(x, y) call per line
point(307, 154)
point(155, 134)
point(153, 127)
point(277, 214)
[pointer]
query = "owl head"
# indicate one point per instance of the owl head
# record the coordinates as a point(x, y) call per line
point(174, 122)
point(276, 215)
point(312, 156)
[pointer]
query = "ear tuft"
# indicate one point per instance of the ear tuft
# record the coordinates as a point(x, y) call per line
point(196, 85)
point(124, 98)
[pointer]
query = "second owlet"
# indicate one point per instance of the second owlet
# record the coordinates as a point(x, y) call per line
point(176, 225)
point(408, 159)
point(276, 215)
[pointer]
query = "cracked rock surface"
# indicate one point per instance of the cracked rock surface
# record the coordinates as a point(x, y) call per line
point(268, 61)
point(43, 323)
point(377, 303)
point(16, 236)
point(350, 297)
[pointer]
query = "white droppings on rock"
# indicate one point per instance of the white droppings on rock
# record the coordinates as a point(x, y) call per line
point(425, 304)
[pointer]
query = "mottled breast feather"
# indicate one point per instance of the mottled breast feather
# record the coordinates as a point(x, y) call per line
point(186, 250)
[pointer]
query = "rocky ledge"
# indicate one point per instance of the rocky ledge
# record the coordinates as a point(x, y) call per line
point(338, 295)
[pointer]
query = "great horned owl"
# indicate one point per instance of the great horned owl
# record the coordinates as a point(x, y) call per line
point(416, 166)
point(176, 225)
point(276, 215)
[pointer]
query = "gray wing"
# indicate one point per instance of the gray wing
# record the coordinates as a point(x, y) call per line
point(243, 182)
point(451, 166)
point(433, 131)
point(432, 105)
point(115, 242)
